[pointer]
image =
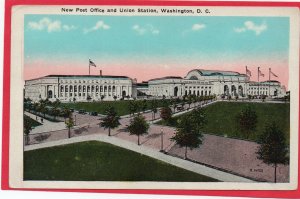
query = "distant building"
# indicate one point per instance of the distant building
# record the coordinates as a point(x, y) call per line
point(213, 82)
point(80, 87)
point(142, 89)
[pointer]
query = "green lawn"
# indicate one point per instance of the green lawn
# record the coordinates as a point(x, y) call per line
point(98, 161)
point(221, 118)
point(33, 122)
point(120, 106)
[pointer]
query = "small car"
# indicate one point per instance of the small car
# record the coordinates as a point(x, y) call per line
point(82, 111)
point(94, 113)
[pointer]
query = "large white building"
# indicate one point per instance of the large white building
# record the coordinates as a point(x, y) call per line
point(212, 82)
point(80, 87)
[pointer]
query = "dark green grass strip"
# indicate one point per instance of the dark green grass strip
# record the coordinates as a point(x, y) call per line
point(98, 161)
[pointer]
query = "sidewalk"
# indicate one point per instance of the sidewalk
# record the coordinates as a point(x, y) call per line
point(46, 124)
point(194, 167)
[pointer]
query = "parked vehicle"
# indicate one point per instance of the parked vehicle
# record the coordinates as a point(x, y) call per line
point(94, 113)
point(82, 111)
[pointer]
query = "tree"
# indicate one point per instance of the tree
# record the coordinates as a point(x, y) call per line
point(187, 134)
point(66, 113)
point(138, 126)
point(273, 149)
point(153, 106)
point(27, 128)
point(69, 124)
point(102, 97)
point(166, 113)
point(115, 97)
point(133, 107)
point(198, 118)
point(111, 120)
point(144, 105)
point(247, 120)
point(190, 100)
point(55, 112)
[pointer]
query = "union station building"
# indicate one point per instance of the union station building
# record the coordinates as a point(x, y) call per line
point(197, 82)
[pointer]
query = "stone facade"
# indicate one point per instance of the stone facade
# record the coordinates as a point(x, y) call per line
point(210, 82)
point(80, 88)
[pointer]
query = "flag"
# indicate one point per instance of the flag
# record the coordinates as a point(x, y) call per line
point(248, 72)
point(92, 64)
point(260, 73)
point(273, 73)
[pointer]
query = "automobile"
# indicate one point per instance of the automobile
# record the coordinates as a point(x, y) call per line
point(72, 110)
point(94, 113)
point(82, 111)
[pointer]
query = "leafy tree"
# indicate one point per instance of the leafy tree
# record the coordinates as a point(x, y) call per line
point(153, 107)
point(69, 124)
point(144, 105)
point(115, 97)
point(190, 100)
point(66, 113)
point(247, 120)
point(187, 134)
point(27, 128)
point(55, 112)
point(133, 107)
point(111, 120)
point(273, 149)
point(166, 113)
point(102, 97)
point(138, 126)
point(198, 118)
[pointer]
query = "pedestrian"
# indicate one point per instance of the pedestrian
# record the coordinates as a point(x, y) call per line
point(42, 120)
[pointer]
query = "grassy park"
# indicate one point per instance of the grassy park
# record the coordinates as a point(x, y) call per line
point(221, 118)
point(120, 106)
point(98, 161)
point(32, 121)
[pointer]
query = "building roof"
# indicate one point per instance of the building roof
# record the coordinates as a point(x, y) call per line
point(166, 77)
point(271, 81)
point(89, 76)
point(217, 72)
point(84, 76)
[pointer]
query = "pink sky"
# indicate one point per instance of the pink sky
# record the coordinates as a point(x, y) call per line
point(144, 71)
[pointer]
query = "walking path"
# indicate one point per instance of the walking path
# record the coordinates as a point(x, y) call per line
point(187, 165)
point(46, 124)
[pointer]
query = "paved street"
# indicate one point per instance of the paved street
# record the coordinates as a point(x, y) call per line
point(226, 154)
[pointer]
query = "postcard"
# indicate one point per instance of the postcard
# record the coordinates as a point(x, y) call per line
point(144, 97)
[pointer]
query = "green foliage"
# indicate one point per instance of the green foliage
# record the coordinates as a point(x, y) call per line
point(273, 148)
point(247, 121)
point(99, 161)
point(111, 120)
point(221, 117)
point(28, 126)
point(69, 124)
point(166, 113)
point(138, 126)
point(188, 132)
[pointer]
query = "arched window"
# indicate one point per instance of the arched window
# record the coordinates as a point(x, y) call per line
point(114, 89)
point(79, 88)
point(75, 88)
point(93, 88)
point(88, 88)
point(71, 88)
point(97, 88)
point(101, 88)
point(105, 88)
point(66, 88)
point(83, 88)
point(61, 88)
point(109, 88)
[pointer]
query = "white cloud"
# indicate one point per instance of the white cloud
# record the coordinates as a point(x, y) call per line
point(49, 25)
point(98, 26)
point(197, 27)
point(144, 30)
point(68, 28)
point(251, 26)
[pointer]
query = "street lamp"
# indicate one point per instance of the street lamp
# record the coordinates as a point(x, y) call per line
point(162, 140)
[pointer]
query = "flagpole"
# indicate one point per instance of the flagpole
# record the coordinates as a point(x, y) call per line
point(269, 81)
point(258, 79)
point(89, 67)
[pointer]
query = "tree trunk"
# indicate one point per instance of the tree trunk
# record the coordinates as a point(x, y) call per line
point(138, 139)
point(275, 180)
point(108, 131)
point(185, 153)
point(69, 133)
